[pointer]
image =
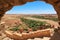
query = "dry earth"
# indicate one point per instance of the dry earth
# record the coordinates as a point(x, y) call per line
point(4, 37)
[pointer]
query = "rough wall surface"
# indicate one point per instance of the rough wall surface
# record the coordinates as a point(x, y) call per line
point(6, 5)
point(56, 5)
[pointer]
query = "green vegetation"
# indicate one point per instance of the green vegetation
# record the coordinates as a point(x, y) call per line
point(42, 17)
point(34, 24)
point(31, 25)
point(15, 29)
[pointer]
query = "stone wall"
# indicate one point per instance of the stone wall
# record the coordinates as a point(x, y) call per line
point(25, 36)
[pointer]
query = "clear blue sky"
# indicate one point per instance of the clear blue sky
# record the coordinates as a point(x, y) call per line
point(37, 7)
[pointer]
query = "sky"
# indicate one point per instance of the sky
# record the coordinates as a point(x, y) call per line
point(36, 7)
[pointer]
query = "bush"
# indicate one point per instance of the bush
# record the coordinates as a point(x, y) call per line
point(15, 29)
point(33, 24)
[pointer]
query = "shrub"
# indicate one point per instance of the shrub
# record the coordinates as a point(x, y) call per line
point(33, 24)
point(15, 29)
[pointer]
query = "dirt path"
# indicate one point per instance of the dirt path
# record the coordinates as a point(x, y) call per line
point(48, 21)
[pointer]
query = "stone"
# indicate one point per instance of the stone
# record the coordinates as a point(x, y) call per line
point(37, 38)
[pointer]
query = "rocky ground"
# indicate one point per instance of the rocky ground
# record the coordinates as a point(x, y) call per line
point(4, 37)
point(45, 38)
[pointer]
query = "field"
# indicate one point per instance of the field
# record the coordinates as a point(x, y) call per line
point(21, 23)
